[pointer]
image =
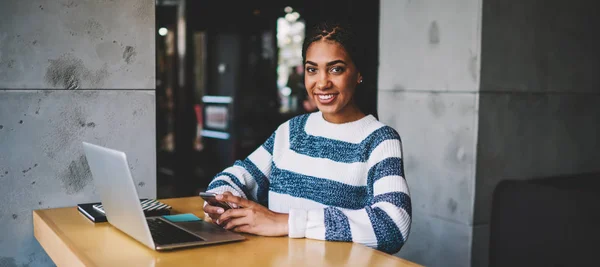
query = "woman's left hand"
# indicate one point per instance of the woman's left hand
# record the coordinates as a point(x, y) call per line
point(252, 218)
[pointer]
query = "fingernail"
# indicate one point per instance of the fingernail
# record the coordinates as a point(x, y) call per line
point(220, 211)
point(218, 221)
point(219, 197)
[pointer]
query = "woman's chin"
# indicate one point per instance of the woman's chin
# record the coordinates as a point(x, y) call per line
point(326, 109)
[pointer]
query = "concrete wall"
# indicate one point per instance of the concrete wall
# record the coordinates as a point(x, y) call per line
point(540, 97)
point(531, 111)
point(104, 52)
point(429, 92)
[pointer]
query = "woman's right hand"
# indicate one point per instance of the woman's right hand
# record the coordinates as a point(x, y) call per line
point(215, 212)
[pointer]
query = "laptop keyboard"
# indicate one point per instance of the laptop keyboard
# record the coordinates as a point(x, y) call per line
point(164, 233)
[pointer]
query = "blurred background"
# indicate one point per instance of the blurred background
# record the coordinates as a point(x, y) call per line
point(497, 103)
point(227, 75)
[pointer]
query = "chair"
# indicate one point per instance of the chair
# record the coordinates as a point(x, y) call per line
point(553, 221)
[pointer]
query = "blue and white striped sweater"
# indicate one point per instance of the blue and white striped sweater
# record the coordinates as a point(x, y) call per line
point(338, 182)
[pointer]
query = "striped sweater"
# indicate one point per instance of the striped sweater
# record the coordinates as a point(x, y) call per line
point(338, 182)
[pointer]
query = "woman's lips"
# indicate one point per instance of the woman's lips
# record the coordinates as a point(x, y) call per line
point(325, 98)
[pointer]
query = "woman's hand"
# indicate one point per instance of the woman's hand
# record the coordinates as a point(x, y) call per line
point(215, 212)
point(252, 218)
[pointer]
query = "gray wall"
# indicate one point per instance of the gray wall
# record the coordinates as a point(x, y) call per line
point(105, 51)
point(540, 97)
point(428, 91)
point(531, 110)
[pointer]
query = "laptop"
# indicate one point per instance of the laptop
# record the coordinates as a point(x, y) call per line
point(112, 178)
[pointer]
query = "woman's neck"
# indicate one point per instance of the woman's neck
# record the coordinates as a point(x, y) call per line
point(349, 114)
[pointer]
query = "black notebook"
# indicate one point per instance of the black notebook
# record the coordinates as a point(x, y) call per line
point(95, 213)
point(87, 209)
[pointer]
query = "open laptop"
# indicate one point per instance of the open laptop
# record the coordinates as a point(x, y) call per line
point(113, 180)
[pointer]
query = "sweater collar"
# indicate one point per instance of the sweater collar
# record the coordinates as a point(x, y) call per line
point(348, 130)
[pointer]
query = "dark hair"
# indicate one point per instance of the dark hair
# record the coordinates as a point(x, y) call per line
point(340, 32)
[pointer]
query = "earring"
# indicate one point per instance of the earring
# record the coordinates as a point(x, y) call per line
point(360, 81)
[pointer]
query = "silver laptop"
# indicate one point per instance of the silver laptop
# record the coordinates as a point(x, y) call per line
point(113, 180)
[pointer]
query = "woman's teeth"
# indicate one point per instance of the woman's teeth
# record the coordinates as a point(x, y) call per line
point(325, 97)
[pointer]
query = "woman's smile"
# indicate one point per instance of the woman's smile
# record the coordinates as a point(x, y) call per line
point(325, 99)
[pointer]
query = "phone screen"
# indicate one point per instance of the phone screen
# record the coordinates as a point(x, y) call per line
point(210, 198)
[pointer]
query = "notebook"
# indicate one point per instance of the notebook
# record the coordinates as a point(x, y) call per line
point(149, 206)
point(95, 213)
point(87, 209)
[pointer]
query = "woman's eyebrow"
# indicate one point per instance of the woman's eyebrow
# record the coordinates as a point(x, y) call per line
point(336, 62)
point(328, 63)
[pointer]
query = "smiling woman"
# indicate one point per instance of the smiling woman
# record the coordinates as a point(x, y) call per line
point(331, 77)
point(336, 174)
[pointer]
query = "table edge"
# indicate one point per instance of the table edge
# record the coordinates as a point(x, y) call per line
point(56, 236)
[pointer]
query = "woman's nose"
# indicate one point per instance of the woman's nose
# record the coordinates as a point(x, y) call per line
point(323, 83)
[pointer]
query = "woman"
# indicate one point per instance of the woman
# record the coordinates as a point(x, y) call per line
point(335, 174)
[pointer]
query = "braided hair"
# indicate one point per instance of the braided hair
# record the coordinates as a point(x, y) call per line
point(339, 32)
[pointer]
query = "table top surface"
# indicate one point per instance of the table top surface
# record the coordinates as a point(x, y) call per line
point(68, 237)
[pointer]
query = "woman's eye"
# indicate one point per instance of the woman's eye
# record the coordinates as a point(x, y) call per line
point(337, 69)
point(309, 69)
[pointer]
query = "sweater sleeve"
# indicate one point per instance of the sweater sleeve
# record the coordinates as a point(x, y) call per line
point(384, 222)
point(248, 178)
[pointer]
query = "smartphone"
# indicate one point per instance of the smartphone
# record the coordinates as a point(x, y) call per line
point(212, 200)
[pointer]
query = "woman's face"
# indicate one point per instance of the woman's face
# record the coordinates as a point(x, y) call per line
point(330, 79)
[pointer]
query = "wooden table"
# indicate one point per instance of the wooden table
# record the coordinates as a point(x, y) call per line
point(72, 240)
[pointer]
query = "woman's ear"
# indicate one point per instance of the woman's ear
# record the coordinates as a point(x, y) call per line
point(360, 78)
